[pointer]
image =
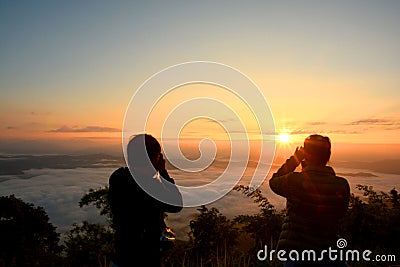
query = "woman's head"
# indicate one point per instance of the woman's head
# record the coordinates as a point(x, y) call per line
point(317, 149)
point(143, 152)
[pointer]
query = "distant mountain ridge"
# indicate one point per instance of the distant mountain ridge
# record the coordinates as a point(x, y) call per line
point(16, 164)
point(389, 166)
point(357, 174)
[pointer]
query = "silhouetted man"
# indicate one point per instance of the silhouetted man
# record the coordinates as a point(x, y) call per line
point(316, 200)
point(138, 217)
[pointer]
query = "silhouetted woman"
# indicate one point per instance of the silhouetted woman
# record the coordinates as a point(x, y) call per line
point(138, 210)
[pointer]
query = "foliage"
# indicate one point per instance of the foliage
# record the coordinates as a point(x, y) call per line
point(372, 222)
point(265, 226)
point(99, 199)
point(28, 238)
point(89, 245)
point(212, 235)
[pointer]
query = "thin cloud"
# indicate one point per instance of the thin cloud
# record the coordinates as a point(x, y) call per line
point(87, 129)
point(308, 132)
point(194, 132)
point(244, 132)
point(35, 113)
point(221, 120)
point(393, 128)
point(301, 131)
point(344, 132)
point(373, 122)
point(253, 132)
point(316, 123)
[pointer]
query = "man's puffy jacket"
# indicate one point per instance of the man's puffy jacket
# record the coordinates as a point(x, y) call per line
point(316, 200)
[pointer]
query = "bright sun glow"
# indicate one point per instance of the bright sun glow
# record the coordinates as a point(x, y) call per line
point(284, 138)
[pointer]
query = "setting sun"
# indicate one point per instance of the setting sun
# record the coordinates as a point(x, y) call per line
point(284, 138)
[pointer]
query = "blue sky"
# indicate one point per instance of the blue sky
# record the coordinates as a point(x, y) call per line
point(78, 63)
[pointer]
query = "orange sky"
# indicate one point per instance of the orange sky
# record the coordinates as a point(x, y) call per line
point(329, 68)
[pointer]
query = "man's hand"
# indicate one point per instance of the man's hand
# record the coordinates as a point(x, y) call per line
point(299, 154)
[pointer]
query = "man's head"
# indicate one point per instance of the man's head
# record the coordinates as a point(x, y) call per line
point(143, 153)
point(317, 149)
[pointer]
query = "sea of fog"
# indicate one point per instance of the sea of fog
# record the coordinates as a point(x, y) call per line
point(59, 191)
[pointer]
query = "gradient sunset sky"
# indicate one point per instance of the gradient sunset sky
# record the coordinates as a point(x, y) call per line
point(69, 69)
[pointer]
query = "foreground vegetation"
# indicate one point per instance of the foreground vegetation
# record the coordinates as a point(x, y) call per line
point(29, 239)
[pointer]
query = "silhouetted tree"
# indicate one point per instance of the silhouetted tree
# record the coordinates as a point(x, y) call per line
point(265, 226)
point(212, 235)
point(27, 236)
point(89, 244)
point(99, 199)
point(372, 222)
